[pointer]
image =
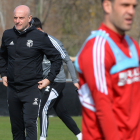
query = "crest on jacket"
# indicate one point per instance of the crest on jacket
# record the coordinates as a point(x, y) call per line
point(29, 43)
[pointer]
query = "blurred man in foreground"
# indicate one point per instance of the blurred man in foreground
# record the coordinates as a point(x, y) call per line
point(109, 73)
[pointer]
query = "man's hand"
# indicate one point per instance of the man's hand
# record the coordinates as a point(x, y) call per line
point(76, 85)
point(43, 84)
point(4, 80)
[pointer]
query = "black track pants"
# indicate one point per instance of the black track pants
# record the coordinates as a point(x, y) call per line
point(23, 109)
point(53, 97)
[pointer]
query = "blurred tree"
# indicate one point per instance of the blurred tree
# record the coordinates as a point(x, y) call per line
point(71, 21)
point(76, 18)
point(42, 9)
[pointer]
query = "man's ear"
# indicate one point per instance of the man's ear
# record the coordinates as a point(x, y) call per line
point(30, 18)
point(107, 6)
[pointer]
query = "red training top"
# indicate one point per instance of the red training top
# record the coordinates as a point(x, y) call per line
point(110, 102)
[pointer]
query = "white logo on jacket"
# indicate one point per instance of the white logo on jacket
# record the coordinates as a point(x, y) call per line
point(29, 43)
point(12, 43)
point(47, 88)
point(129, 77)
point(35, 101)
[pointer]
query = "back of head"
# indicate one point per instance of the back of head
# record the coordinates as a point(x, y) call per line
point(37, 22)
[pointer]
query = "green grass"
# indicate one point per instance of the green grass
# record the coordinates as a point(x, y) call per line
point(57, 129)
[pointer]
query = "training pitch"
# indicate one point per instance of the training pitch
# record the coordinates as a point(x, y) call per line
point(57, 130)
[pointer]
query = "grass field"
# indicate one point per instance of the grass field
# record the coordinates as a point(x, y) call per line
point(57, 130)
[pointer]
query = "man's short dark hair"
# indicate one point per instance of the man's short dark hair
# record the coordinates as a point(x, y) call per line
point(103, 0)
point(37, 22)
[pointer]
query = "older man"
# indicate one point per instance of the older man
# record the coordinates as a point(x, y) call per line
point(21, 55)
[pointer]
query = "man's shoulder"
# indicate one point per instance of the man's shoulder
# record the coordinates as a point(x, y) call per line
point(133, 40)
point(90, 40)
point(8, 32)
point(58, 41)
point(50, 36)
point(38, 34)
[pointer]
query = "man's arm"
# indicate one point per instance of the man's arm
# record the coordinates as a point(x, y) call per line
point(3, 62)
point(71, 68)
point(59, 46)
point(95, 69)
point(53, 56)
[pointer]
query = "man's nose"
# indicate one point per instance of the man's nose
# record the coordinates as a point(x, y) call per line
point(131, 10)
point(17, 20)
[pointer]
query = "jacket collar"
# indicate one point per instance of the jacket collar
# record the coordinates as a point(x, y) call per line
point(30, 28)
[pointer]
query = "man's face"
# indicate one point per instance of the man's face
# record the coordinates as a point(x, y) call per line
point(21, 19)
point(122, 14)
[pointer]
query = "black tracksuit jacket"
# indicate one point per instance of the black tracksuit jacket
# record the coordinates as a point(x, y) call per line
point(21, 56)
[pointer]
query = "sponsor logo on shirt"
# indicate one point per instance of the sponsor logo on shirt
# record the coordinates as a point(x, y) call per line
point(129, 77)
point(11, 43)
point(35, 101)
point(29, 43)
point(47, 88)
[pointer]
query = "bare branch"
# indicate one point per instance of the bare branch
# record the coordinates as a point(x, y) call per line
point(2, 21)
point(46, 12)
